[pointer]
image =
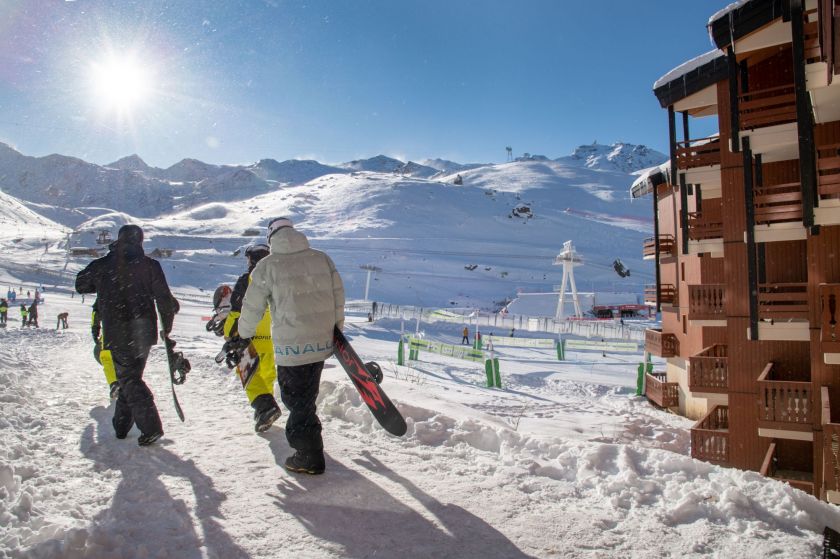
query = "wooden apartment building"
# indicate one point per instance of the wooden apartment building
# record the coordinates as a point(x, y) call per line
point(747, 244)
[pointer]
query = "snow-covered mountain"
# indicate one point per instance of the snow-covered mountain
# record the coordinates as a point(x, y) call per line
point(68, 182)
point(292, 171)
point(412, 169)
point(493, 235)
point(448, 167)
point(132, 163)
point(377, 164)
point(626, 158)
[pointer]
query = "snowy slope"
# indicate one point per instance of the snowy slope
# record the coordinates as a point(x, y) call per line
point(562, 462)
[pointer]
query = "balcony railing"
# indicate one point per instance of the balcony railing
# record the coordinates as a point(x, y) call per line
point(831, 446)
point(779, 203)
point(661, 392)
point(828, 169)
point(666, 246)
point(698, 153)
point(767, 107)
point(811, 36)
point(784, 402)
point(661, 344)
point(709, 370)
point(710, 437)
point(704, 226)
point(779, 301)
point(830, 317)
point(706, 301)
point(667, 294)
point(773, 467)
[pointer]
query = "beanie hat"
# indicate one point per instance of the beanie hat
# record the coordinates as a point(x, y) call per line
point(130, 234)
point(276, 224)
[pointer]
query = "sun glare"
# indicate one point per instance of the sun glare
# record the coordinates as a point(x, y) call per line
point(120, 83)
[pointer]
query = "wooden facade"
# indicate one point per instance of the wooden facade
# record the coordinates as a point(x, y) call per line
point(748, 246)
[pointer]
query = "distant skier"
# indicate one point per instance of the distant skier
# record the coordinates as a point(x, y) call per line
point(306, 296)
point(512, 331)
point(129, 285)
point(465, 339)
point(103, 356)
point(33, 313)
point(4, 311)
point(260, 389)
point(62, 321)
point(24, 316)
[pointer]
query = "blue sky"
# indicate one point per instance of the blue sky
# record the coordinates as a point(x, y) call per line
point(237, 81)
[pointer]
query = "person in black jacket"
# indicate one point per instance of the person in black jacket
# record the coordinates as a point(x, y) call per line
point(129, 285)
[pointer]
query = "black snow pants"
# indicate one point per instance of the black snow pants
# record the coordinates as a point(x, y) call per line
point(299, 390)
point(135, 403)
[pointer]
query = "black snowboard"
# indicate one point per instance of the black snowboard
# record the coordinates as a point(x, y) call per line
point(380, 405)
point(179, 366)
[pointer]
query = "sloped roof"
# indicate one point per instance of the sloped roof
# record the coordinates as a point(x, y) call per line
point(690, 77)
point(742, 18)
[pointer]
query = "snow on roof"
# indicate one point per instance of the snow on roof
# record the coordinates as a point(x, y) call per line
point(727, 10)
point(643, 185)
point(687, 67)
point(603, 299)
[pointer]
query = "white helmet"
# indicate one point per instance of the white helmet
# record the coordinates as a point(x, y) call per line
point(276, 224)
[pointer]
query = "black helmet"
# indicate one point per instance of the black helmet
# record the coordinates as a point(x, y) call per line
point(255, 253)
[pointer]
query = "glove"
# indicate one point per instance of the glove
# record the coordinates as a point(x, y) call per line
point(234, 348)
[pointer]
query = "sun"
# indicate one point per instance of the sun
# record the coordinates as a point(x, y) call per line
point(120, 83)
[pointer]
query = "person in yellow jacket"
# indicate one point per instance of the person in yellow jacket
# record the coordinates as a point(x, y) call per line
point(103, 356)
point(260, 387)
point(24, 316)
point(4, 309)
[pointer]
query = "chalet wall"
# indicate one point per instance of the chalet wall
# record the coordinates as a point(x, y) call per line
point(774, 67)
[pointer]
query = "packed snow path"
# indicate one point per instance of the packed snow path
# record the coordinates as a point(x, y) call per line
point(462, 483)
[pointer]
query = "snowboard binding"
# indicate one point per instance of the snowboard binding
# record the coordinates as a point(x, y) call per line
point(180, 365)
point(375, 371)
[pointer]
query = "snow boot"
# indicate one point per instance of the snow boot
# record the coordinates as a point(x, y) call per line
point(115, 390)
point(306, 462)
point(265, 419)
point(146, 440)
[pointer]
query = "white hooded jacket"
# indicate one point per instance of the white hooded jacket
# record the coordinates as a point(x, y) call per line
point(304, 292)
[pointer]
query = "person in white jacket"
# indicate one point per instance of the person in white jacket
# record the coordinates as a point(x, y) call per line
point(305, 294)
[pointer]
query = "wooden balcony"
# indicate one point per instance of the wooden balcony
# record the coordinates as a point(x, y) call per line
point(783, 301)
point(778, 203)
point(666, 247)
point(667, 294)
point(831, 451)
point(703, 226)
point(709, 370)
point(706, 301)
point(661, 344)
point(786, 401)
point(662, 393)
point(767, 107)
point(703, 152)
point(829, 327)
point(828, 170)
point(710, 437)
point(775, 467)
